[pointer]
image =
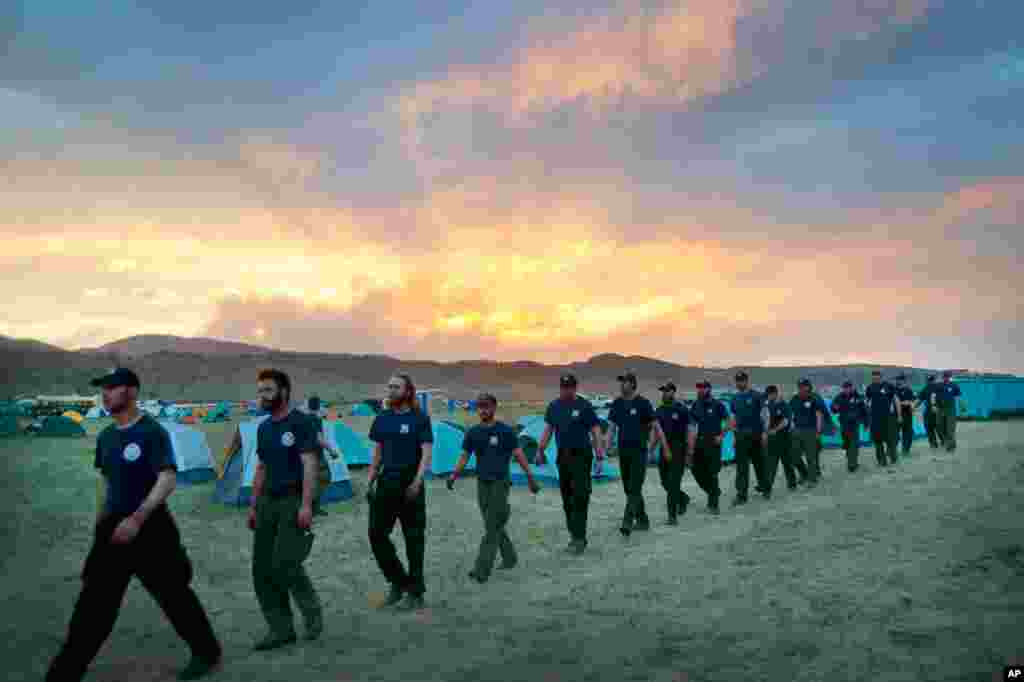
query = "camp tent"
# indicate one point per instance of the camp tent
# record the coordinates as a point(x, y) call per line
point(362, 410)
point(220, 413)
point(73, 416)
point(96, 413)
point(13, 410)
point(447, 450)
point(235, 486)
point(532, 431)
point(191, 453)
point(9, 426)
point(355, 448)
point(61, 427)
point(982, 397)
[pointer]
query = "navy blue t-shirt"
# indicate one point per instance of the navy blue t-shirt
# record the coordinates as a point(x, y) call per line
point(401, 436)
point(633, 419)
point(805, 411)
point(674, 419)
point(572, 421)
point(905, 393)
point(708, 414)
point(852, 410)
point(493, 446)
point(131, 459)
point(747, 407)
point(946, 394)
point(880, 398)
point(778, 411)
point(279, 446)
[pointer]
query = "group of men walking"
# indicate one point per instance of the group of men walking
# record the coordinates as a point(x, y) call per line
point(136, 535)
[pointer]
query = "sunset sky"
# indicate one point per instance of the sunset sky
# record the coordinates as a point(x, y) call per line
point(714, 182)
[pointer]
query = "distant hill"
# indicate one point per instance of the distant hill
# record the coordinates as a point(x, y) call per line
point(176, 368)
point(147, 344)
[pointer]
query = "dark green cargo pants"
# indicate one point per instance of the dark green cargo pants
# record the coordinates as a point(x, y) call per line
point(575, 484)
point(779, 448)
point(748, 451)
point(807, 451)
point(931, 428)
point(492, 497)
point(851, 445)
point(707, 462)
point(672, 478)
point(389, 506)
point(633, 466)
point(906, 429)
point(885, 436)
point(279, 548)
point(947, 426)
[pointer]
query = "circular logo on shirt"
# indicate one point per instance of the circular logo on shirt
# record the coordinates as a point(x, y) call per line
point(494, 440)
point(883, 391)
point(675, 416)
point(287, 439)
point(575, 413)
point(633, 411)
point(132, 452)
point(807, 404)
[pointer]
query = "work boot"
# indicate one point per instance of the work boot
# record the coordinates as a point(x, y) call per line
point(314, 627)
point(684, 505)
point(394, 596)
point(476, 577)
point(642, 525)
point(505, 566)
point(627, 526)
point(766, 493)
point(198, 667)
point(713, 506)
point(739, 500)
point(413, 602)
point(577, 547)
point(274, 641)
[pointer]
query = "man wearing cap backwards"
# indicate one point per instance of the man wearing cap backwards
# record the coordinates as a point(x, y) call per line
point(905, 396)
point(281, 514)
point(708, 414)
point(747, 425)
point(853, 412)
point(674, 419)
point(135, 535)
point(927, 397)
point(632, 418)
point(778, 445)
point(808, 412)
point(577, 432)
point(495, 444)
point(883, 409)
point(946, 395)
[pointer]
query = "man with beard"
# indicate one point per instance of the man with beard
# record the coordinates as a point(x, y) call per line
point(808, 413)
point(905, 398)
point(708, 414)
point(884, 413)
point(404, 443)
point(632, 418)
point(777, 441)
point(281, 514)
point(577, 432)
point(674, 419)
point(747, 426)
point(852, 411)
point(927, 398)
point(135, 535)
point(495, 444)
point(946, 395)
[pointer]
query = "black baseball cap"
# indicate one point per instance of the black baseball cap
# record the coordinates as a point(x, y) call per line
point(567, 380)
point(486, 398)
point(628, 376)
point(742, 376)
point(931, 377)
point(804, 382)
point(772, 389)
point(847, 384)
point(121, 376)
point(947, 373)
point(667, 387)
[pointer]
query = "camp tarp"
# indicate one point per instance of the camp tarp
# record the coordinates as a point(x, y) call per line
point(362, 410)
point(13, 410)
point(447, 450)
point(73, 416)
point(355, 448)
point(983, 397)
point(61, 427)
point(548, 472)
point(235, 486)
point(192, 453)
point(96, 413)
point(9, 426)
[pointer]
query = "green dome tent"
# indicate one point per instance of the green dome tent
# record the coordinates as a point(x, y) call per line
point(9, 426)
point(61, 427)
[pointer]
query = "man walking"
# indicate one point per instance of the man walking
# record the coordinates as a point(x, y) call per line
point(748, 427)
point(577, 432)
point(281, 515)
point(495, 444)
point(808, 412)
point(708, 414)
point(905, 397)
point(323, 450)
point(946, 403)
point(883, 411)
point(852, 411)
point(135, 535)
point(674, 419)
point(778, 445)
point(927, 398)
point(631, 420)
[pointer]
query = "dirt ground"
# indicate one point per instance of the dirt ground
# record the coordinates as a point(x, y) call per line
point(914, 573)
